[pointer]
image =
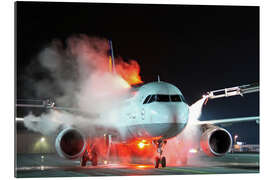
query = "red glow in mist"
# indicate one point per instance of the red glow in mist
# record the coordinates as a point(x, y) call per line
point(129, 152)
point(129, 72)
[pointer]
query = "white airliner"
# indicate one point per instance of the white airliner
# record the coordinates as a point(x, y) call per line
point(157, 111)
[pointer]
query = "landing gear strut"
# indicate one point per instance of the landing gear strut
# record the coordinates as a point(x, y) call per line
point(84, 159)
point(160, 159)
point(89, 156)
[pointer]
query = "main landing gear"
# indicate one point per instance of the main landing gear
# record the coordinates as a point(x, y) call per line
point(89, 156)
point(160, 159)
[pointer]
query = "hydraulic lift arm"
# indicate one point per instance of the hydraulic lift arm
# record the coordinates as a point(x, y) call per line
point(233, 91)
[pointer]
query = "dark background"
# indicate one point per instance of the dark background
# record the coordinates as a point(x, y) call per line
point(196, 48)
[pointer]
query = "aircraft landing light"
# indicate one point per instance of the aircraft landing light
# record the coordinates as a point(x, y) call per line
point(141, 145)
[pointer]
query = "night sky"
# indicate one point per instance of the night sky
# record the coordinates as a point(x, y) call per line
point(196, 48)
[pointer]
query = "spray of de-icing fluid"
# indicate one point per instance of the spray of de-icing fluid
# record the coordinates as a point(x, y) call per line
point(178, 149)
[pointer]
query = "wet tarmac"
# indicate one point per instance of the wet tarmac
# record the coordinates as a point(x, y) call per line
point(50, 165)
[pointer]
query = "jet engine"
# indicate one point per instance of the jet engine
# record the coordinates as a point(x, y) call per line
point(70, 143)
point(215, 141)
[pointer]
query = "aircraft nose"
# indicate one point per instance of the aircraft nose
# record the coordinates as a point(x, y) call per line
point(166, 115)
point(168, 121)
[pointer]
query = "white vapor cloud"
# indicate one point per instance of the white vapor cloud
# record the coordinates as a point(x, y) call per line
point(76, 76)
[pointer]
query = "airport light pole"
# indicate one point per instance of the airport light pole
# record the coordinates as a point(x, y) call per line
point(42, 141)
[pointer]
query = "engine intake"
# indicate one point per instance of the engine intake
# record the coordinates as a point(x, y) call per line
point(70, 143)
point(215, 141)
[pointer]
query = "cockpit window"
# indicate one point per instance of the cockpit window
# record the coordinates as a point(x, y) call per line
point(152, 99)
point(163, 98)
point(175, 98)
point(146, 99)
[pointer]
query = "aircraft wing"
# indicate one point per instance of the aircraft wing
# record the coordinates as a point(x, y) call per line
point(232, 120)
point(77, 112)
point(70, 110)
point(48, 104)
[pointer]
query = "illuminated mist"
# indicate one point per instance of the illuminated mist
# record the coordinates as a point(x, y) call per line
point(177, 150)
point(77, 74)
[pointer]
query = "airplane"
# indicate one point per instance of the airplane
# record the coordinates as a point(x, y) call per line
point(156, 111)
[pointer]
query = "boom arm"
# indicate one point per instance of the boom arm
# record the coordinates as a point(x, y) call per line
point(233, 91)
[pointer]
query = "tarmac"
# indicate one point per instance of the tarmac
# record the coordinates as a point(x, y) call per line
point(50, 165)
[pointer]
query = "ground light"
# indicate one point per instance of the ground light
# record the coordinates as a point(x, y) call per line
point(193, 151)
point(41, 145)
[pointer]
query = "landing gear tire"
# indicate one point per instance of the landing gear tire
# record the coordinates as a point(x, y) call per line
point(160, 147)
point(84, 161)
point(163, 162)
point(94, 159)
point(157, 161)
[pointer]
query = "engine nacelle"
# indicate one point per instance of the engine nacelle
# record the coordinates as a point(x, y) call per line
point(215, 141)
point(70, 143)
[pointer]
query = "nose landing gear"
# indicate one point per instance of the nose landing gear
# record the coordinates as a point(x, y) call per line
point(163, 162)
point(160, 159)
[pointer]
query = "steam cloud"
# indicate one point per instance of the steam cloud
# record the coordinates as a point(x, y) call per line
point(76, 74)
point(177, 148)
